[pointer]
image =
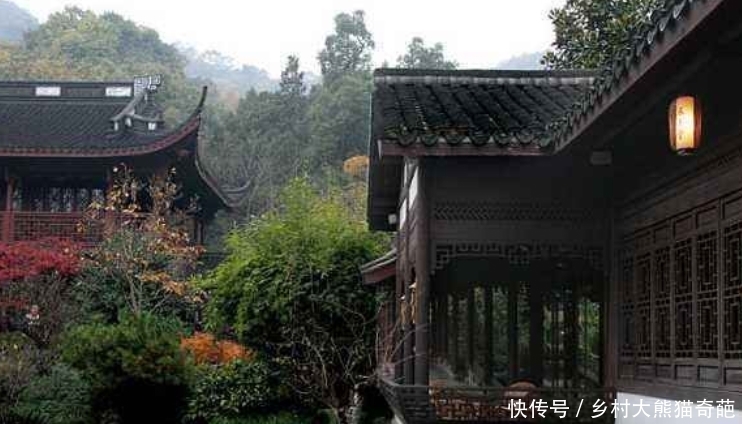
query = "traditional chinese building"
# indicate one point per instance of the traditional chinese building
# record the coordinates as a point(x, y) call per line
point(565, 235)
point(60, 142)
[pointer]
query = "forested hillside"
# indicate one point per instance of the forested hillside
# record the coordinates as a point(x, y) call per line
point(14, 22)
point(260, 133)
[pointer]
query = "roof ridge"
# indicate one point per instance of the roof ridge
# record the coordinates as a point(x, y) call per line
point(487, 73)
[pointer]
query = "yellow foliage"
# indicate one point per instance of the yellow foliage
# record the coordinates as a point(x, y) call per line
point(206, 349)
point(356, 166)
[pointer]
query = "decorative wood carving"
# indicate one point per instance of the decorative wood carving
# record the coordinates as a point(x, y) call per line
point(516, 254)
point(492, 211)
point(681, 298)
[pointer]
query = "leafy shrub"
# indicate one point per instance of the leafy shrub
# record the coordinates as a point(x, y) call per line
point(60, 397)
point(146, 259)
point(19, 363)
point(136, 368)
point(291, 281)
point(235, 389)
point(27, 259)
point(205, 348)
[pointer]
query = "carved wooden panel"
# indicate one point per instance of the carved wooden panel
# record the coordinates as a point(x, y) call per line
point(493, 211)
point(516, 254)
point(732, 245)
point(680, 306)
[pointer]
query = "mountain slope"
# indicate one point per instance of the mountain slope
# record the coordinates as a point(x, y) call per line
point(14, 22)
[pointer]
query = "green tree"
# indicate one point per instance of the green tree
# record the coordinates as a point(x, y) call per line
point(263, 143)
point(80, 44)
point(420, 56)
point(589, 34)
point(348, 50)
point(291, 287)
point(339, 121)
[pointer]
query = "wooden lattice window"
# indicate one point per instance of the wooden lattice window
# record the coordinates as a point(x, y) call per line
point(733, 291)
point(681, 298)
point(707, 293)
point(662, 301)
point(627, 305)
point(643, 306)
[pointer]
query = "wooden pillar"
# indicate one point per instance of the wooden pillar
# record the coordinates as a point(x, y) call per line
point(408, 353)
point(470, 328)
point(443, 312)
point(513, 329)
point(611, 297)
point(455, 351)
point(422, 265)
point(536, 332)
point(488, 336)
point(572, 339)
point(397, 354)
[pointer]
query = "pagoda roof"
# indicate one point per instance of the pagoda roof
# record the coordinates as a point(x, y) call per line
point(62, 119)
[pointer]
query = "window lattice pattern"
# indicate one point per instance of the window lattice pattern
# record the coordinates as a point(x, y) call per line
point(733, 291)
point(683, 299)
point(680, 308)
point(662, 331)
point(707, 292)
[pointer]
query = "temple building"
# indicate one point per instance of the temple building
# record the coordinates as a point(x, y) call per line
point(565, 236)
point(61, 141)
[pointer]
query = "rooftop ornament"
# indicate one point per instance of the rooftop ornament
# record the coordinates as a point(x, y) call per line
point(685, 120)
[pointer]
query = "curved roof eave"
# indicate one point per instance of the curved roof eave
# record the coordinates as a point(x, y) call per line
point(173, 137)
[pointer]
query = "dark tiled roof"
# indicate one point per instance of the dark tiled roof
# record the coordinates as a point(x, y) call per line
point(77, 117)
point(497, 107)
point(663, 19)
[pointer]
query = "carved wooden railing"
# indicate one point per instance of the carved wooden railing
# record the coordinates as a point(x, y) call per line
point(427, 404)
point(29, 226)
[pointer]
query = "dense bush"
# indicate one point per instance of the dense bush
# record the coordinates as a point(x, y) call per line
point(19, 363)
point(60, 397)
point(291, 286)
point(233, 390)
point(136, 368)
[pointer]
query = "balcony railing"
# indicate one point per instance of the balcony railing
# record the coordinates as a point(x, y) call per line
point(460, 404)
point(29, 226)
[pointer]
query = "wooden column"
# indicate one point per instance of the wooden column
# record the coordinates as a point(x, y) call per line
point(536, 331)
point(470, 328)
point(488, 339)
point(408, 350)
point(444, 324)
point(513, 329)
point(422, 265)
point(398, 338)
point(455, 351)
point(611, 297)
point(572, 339)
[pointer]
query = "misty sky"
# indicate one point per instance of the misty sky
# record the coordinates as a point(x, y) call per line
point(476, 33)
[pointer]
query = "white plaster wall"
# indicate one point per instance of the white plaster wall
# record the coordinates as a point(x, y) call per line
point(641, 419)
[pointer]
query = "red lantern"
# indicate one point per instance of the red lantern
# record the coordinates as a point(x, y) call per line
point(685, 121)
